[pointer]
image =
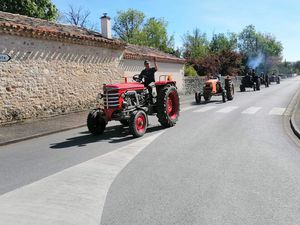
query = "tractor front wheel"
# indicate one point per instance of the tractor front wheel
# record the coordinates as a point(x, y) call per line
point(96, 122)
point(198, 97)
point(138, 123)
point(168, 106)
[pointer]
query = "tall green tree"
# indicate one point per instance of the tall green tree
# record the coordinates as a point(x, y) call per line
point(43, 9)
point(132, 27)
point(195, 45)
point(221, 42)
point(154, 34)
point(128, 25)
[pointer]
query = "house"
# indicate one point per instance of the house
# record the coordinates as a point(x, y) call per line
point(57, 69)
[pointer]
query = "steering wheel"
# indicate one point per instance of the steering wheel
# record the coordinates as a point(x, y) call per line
point(137, 78)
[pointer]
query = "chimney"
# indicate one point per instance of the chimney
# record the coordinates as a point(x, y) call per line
point(105, 26)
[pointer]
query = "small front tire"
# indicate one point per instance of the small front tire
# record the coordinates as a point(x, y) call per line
point(138, 123)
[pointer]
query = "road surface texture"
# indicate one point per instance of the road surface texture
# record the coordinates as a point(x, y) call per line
point(223, 163)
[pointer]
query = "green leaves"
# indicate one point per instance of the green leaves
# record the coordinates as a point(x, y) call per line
point(131, 27)
point(43, 9)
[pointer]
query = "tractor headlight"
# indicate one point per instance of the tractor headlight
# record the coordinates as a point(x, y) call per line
point(99, 97)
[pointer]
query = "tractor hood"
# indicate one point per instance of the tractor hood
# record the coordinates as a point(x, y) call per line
point(125, 86)
point(211, 81)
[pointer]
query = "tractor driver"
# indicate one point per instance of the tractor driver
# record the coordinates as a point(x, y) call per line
point(148, 73)
point(149, 79)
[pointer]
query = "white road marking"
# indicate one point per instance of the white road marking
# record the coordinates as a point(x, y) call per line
point(73, 196)
point(251, 110)
point(187, 108)
point(205, 109)
point(227, 109)
point(277, 111)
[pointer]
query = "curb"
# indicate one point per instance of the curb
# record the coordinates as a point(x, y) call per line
point(293, 124)
point(39, 135)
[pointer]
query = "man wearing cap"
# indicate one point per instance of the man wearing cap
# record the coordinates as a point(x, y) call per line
point(148, 73)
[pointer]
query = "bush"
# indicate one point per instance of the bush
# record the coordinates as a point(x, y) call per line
point(189, 71)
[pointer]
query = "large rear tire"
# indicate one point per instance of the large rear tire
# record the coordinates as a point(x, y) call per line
point(223, 96)
point(230, 92)
point(278, 80)
point(96, 122)
point(197, 97)
point(258, 85)
point(242, 88)
point(138, 123)
point(168, 106)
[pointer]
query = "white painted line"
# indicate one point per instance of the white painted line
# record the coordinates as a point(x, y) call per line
point(251, 110)
point(277, 111)
point(227, 109)
point(73, 196)
point(187, 108)
point(205, 109)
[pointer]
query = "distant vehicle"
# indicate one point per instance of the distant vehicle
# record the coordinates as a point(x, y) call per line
point(264, 79)
point(250, 81)
point(274, 78)
point(214, 87)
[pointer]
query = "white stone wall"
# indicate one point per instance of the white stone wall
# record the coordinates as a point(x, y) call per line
point(132, 67)
point(46, 78)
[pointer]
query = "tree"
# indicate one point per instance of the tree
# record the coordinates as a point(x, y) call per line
point(195, 45)
point(221, 42)
point(43, 9)
point(128, 25)
point(154, 34)
point(77, 17)
point(259, 49)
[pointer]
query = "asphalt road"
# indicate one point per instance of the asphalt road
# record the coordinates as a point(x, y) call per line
point(223, 163)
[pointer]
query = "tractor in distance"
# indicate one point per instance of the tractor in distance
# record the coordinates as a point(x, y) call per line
point(214, 87)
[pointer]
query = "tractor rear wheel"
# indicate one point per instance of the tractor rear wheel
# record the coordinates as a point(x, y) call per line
point(168, 106)
point(223, 96)
point(230, 92)
point(242, 88)
point(138, 123)
point(198, 97)
point(258, 85)
point(278, 80)
point(95, 122)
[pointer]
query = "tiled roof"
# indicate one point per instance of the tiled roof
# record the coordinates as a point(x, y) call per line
point(141, 53)
point(32, 27)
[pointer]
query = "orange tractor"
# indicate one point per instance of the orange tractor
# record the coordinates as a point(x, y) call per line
point(214, 87)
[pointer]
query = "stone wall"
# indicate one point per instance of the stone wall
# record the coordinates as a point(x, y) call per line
point(47, 78)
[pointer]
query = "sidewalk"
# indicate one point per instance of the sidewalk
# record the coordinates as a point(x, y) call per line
point(37, 128)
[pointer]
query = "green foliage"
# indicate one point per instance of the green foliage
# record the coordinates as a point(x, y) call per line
point(221, 42)
point(128, 25)
point(131, 27)
point(189, 71)
point(154, 34)
point(43, 9)
point(196, 45)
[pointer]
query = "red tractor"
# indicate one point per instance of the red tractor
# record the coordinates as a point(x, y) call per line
point(132, 102)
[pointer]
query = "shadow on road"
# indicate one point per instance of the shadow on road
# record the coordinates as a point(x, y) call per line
point(113, 134)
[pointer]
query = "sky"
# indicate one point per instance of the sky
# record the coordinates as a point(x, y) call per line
point(277, 17)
